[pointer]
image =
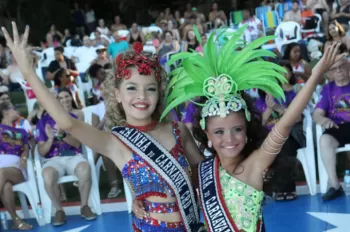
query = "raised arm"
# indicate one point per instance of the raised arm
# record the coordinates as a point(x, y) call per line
point(272, 145)
point(101, 142)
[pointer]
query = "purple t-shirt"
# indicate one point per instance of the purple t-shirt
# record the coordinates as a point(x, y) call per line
point(261, 106)
point(186, 116)
point(335, 101)
point(12, 140)
point(57, 146)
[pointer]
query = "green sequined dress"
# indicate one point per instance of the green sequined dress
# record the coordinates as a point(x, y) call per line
point(242, 201)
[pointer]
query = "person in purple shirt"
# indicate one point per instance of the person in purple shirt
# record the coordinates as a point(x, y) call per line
point(272, 111)
point(62, 153)
point(14, 151)
point(333, 114)
point(185, 114)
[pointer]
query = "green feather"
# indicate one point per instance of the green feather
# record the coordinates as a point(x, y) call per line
point(243, 63)
point(179, 56)
point(198, 35)
point(179, 101)
point(210, 51)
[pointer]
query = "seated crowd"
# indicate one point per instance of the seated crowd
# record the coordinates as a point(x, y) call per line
point(62, 153)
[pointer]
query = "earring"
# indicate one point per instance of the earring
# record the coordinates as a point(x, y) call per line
point(209, 144)
point(246, 139)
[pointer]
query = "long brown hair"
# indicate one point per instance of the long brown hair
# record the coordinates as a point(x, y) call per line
point(341, 31)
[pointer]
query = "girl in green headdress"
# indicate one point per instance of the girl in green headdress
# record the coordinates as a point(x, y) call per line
point(231, 182)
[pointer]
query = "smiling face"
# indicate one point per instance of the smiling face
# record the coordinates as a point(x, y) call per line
point(66, 100)
point(139, 97)
point(333, 30)
point(228, 135)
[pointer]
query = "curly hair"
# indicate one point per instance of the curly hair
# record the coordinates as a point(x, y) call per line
point(115, 115)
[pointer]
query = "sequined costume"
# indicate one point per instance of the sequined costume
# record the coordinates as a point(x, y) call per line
point(146, 182)
point(242, 201)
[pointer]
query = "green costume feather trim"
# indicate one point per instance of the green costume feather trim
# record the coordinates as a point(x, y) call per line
point(221, 74)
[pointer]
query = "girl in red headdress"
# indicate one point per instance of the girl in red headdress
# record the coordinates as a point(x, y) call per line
point(154, 157)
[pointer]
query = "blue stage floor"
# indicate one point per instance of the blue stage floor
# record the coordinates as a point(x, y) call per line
point(306, 214)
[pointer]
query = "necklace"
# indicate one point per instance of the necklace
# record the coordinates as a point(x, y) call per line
point(144, 128)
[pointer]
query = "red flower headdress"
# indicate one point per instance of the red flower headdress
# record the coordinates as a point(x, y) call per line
point(143, 63)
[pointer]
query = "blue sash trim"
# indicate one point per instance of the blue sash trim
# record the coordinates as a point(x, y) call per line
point(216, 217)
point(167, 167)
point(215, 211)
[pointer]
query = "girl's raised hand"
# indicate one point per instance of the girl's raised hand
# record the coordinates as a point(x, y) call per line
point(19, 48)
point(330, 57)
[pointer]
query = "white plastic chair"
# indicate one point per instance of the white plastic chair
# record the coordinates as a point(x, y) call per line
point(83, 87)
point(48, 55)
point(322, 173)
point(29, 189)
point(69, 51)
point(168, 55)
point(38, 68)
point(285, 31)
point(94, 196)
point(155, 29)
point(30, 102)
point(150, 49)
point(123, 33)
point(306, 155)
point(88, 111)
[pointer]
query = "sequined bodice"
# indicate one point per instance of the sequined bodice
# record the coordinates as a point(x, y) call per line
point(144, 180)
point(242, 201)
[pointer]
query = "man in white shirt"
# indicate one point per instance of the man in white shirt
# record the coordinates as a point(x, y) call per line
point(294, 14)
point(84, 55)
point(254, 29)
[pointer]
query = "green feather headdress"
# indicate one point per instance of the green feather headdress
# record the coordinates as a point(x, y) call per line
point(221, 74)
